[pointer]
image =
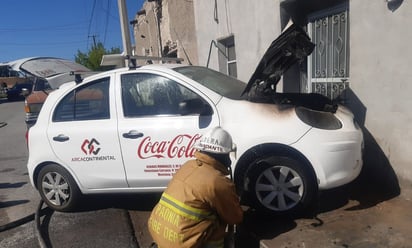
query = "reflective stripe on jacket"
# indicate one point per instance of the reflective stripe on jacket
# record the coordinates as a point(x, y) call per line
point(196, 206)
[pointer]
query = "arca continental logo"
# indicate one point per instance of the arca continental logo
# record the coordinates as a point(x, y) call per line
point(91, 148)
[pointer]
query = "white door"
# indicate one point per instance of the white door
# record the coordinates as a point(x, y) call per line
point(156, 138)
point(83, 134)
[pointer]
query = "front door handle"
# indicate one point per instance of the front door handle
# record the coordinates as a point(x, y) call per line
point(61, 138)
point(132, 134)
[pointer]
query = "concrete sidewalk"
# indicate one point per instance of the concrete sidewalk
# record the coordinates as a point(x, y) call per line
point(341, 222)
point(387, 224)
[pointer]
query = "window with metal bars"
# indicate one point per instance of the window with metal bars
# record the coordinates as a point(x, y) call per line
point(328, 65)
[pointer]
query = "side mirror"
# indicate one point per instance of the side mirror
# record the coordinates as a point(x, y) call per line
point(194, 106)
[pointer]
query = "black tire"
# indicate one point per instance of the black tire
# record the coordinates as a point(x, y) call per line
point(281, 185)
point(57, 188)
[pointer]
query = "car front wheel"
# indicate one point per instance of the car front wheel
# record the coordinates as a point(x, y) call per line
point(57, 188)
point(281, 185)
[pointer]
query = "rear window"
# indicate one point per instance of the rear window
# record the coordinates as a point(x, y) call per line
point(89, 102)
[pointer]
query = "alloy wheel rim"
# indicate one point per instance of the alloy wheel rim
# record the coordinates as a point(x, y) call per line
point(55, 188)
point(279, 188)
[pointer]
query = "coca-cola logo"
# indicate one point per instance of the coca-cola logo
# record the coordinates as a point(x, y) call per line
point(178, 147)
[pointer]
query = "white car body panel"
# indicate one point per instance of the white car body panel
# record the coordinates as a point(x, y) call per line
point(133, 132)
point(336, 159)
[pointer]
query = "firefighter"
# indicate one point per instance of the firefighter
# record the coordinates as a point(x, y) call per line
point(200, 200)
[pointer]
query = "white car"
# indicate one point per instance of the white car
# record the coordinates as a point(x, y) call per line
point(129, 130)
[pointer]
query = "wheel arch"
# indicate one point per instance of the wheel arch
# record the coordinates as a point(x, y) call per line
point(245, 161)
point(45, 163)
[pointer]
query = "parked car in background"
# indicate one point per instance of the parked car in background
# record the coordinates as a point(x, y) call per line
point(48, 73)
point(18, 91)
point(3, 90)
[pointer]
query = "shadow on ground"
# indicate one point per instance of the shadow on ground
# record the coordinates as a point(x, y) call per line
point(376, 183)
point(137, 202)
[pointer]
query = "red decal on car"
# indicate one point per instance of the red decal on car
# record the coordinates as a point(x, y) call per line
point(180, 146)
point(89, 144)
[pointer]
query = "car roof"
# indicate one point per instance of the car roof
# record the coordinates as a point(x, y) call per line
point(138, 68)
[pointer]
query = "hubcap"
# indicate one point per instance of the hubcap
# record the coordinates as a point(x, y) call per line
point(55, 188)
point(279, 188)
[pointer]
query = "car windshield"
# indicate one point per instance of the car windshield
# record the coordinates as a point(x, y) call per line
point(218, 82)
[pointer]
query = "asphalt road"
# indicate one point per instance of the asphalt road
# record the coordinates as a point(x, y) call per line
point(100, 224)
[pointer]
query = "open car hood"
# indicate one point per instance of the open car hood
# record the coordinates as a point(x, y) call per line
point(292, 46)
point(56, 71)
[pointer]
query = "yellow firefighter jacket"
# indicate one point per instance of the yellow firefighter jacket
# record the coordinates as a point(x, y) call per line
point(196, 207)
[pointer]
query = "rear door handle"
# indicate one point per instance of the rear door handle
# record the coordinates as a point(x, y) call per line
point(61, 138)
point(132, 134)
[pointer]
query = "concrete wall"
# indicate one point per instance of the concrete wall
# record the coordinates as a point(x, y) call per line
point(181, 28)
point(166, 23)
point(254, 24)
point(380, 75)
point(145, 31)
point(11, 81)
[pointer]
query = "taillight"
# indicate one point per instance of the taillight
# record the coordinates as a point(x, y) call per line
point(26, 107)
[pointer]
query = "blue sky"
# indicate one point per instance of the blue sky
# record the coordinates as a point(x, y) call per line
point(58, 28)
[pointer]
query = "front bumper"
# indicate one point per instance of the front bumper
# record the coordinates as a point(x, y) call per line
point(337, 157)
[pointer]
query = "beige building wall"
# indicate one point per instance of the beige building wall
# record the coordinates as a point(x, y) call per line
point(166, 23)
point(254, 25)
point(380, 73)
point(146, 32)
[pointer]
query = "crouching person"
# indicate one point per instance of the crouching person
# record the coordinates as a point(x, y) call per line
point(200, 201)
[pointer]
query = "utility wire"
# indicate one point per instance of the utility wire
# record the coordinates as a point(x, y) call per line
point(91, 20)
point(107, 21)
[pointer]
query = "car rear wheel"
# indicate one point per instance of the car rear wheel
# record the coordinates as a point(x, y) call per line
point(281, 185)
point(57, 188)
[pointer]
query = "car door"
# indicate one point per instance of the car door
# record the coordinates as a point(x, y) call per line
point(83, 135)
point(159, 122)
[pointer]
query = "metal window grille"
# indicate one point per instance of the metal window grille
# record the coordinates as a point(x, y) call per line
point(328, 67)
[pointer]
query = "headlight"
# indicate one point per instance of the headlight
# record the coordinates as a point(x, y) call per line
point(318, 119)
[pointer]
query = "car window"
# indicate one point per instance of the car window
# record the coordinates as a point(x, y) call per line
point(148, 94)
point(41, 84)
point(88, 102)
point(220, 83)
